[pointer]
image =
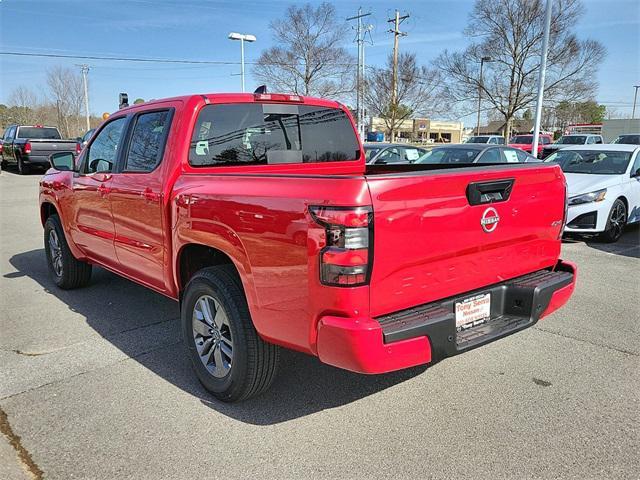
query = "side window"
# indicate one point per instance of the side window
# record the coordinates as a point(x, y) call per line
point(103, 151)
point(511, 155)
point(501, 141)
point(545, 141)
point(521, 154)
point(390, 155)
point(491, 156)
point(147, 141)
point(591, 140)
point(599, 139)
point(411, 154)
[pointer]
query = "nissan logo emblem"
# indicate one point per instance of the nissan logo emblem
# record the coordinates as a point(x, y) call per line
point(489, 220)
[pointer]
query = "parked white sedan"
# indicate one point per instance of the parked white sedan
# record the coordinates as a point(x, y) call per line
point(604, 188)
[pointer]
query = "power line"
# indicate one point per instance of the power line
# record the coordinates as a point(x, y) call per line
point(148, 60)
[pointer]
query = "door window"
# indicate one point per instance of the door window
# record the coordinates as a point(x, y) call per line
point(491, 156)
point(511, 155)
point(390, 155)
point(103, 151)
point(147, 141)
point(412, 154)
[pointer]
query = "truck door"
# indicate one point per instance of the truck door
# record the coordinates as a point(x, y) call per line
point(137, 198)
point(7, 147)
point(91, 219)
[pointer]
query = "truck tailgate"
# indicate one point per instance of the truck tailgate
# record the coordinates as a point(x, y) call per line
point(429, 240)
point(47, 147)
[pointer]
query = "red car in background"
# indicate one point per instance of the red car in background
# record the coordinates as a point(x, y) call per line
point(525, 142)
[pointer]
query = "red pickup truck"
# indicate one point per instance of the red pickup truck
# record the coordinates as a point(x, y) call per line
point(258, 214)
point(525, 142)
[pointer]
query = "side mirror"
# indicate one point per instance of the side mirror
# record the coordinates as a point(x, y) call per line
point(636, 173)
point(63, 161)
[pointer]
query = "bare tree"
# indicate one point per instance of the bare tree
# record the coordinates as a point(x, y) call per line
point(510, 33)
point(67, 94)
point(417, 92)
point(25, 101)
point(308, 58)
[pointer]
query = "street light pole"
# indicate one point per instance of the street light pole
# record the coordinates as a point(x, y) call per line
point(543, 72)
point(482, 60)
point(243, 37)
point(635, 97)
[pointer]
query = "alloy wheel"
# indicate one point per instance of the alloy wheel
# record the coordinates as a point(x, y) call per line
point(212, 336)
point(55, 252)
point(617, 219)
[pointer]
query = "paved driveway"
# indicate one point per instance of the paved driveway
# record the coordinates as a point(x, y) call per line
point(94, 384)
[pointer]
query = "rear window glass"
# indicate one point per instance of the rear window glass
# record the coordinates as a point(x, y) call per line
point(37, 132)
point(261, 134)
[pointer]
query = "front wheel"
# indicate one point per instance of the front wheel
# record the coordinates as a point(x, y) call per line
point(616, 222)
point(67, 271)
point(229, 357)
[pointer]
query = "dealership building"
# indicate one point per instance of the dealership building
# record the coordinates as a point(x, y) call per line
point(421, 130)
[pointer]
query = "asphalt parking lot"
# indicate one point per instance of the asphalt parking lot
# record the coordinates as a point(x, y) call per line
point(94, 384)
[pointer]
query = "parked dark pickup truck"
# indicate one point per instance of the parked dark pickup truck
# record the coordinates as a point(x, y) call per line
point(32, 145)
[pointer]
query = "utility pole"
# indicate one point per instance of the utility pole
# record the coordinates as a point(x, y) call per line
point(85, 70)
point(394, 80)
point(635, 97)
point(360, 31)
point(543, 72)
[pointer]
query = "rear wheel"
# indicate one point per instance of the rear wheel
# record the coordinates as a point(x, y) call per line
point(615, 222)
point(23, 168)
point(229, 358)
point(67, 271)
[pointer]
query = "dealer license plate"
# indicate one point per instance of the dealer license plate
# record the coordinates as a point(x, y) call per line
point(473, 311)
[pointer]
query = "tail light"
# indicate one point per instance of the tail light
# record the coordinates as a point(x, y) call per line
point(0, 148)
point(345, 261)
point(566, 208)
point(78, 148)
point(27, 147)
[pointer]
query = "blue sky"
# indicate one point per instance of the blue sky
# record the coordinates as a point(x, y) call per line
point(197, 30)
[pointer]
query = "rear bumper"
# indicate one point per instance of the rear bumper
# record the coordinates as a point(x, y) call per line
point(36, 159)
point(427, 333)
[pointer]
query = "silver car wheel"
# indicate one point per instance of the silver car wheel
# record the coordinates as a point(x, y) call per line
point(212, 336)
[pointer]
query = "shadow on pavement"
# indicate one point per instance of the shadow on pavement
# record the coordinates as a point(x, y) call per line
point(628, 245)
point(119, 310)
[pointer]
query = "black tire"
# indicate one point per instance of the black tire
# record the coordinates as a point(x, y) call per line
point(254, 362)
point(616, 222)
point(23, 168)
point(68, 272)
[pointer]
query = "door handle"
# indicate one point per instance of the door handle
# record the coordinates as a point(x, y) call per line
point(149, 195)
point(103, 190)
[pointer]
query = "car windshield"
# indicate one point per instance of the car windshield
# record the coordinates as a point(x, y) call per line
point(478, 140)
point(47, 133)
point(370, 152)
point(447, 155)
point(628, 139)
point(596, 162)
point(572, 140)
point(526, 139)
